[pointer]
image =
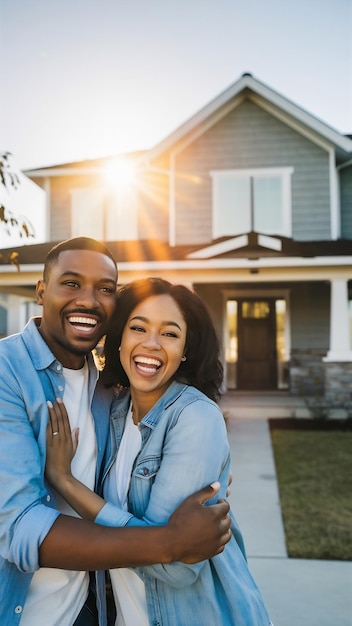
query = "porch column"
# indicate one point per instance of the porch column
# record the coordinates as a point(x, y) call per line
point(340, 342)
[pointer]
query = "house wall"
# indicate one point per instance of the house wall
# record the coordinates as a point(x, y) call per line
point(346, 202)
point(249, 137)
point(61, 201)
point(309, 316)
point(310, 328)
point(60, 214)
point(211, 294)
point(309, 311)
point(153, 206)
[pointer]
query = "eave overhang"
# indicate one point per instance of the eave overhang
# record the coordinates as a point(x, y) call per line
point(296, 261)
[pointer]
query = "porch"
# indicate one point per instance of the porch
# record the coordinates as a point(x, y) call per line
point(262, 404)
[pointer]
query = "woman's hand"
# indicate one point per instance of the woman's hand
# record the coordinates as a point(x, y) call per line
point(61, 444)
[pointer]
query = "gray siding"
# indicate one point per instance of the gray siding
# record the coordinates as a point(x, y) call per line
point(310, 316)
point(249, 137)
point(346, 202)
point(212, 296)
point(309, 312)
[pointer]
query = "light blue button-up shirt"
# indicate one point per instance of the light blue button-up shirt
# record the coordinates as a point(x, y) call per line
point(184, 448)
point(29, 376)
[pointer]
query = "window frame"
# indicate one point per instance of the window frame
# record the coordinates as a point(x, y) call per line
point(285, 173)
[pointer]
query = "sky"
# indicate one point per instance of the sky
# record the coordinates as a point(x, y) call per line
point(83, 79)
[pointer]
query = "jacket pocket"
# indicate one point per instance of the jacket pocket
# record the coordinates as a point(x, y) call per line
point(147, 467)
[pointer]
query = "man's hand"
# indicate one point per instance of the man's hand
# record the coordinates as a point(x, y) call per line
point(200, 532)
point(194, 533)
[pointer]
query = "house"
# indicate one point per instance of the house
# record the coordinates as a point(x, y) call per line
point(250, 203)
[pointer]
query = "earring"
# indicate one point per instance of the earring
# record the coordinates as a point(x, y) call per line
point(183, 358)
point(119, 348)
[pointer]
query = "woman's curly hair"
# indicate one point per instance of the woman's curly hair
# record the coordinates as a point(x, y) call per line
point(202, 367)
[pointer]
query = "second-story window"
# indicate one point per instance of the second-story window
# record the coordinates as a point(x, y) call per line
point(106, 215)
point(252, 200)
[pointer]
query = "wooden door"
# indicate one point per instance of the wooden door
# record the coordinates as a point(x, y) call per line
point(257, 357)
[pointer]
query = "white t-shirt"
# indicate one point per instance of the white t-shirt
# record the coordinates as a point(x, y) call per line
point(128, 588)
point(56, 596)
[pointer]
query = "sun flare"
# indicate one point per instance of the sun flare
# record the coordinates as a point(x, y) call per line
point(120, 172)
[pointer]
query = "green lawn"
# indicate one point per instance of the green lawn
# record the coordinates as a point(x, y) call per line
point(314, 469)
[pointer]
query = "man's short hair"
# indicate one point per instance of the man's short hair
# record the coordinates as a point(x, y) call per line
point(76, 243)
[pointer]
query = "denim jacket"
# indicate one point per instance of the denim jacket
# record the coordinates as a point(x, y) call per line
point(29, 376)
point(184, 448)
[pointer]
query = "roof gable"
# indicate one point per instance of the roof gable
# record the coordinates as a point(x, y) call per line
point(261, 94)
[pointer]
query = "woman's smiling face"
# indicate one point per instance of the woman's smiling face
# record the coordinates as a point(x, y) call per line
point(152, 345)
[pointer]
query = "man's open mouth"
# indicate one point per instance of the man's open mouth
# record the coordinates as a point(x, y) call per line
point(83, 323)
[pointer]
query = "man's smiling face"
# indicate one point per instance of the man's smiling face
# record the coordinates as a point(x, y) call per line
point(78, 299)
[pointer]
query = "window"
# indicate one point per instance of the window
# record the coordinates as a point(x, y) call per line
point(87, 213)
point(281, 343)
point(252, 200)
point(231, 344)
point(255, 310)
point(110, 216)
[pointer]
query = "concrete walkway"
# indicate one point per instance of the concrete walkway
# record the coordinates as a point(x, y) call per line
point(297, 592)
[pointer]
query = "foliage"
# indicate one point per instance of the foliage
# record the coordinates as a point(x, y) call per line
point(9, 222)
point(11, 258)
point(314, 469)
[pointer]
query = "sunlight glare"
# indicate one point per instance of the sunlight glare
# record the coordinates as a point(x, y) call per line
point(120, 172)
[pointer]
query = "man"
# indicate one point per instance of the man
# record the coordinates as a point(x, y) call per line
point(52, 358)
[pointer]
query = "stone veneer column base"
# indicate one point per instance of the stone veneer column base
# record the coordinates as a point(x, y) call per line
point(338, 382)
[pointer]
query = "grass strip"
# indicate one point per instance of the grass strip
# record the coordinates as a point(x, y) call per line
point(314, 470)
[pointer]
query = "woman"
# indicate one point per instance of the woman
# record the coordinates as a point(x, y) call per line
point(170, 439)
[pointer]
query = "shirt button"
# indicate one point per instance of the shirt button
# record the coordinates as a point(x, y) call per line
point(60, 388)
point(145, 471)
point(48, 498)
point(18, 609)
point(58, 367)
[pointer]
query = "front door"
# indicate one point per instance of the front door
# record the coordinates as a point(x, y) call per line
point(257, 356)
